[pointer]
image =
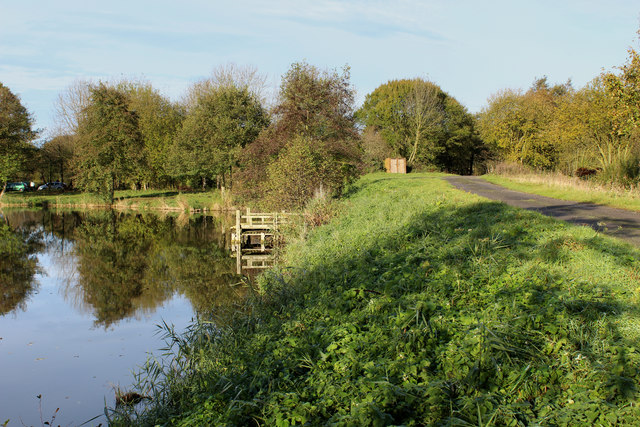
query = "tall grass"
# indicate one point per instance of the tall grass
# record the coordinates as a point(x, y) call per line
point(420, 305)
point(558, 185)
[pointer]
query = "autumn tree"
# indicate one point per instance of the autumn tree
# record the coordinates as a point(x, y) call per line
point(16, 135)
point(583, 128)
point(110, 145)
point(421, 122)
point(625, 90)
point(313, 116)
point(516, 124)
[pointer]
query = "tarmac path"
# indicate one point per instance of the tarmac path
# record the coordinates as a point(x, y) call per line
point(619, 223)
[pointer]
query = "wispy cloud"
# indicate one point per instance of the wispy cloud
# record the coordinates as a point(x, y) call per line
point(373, 19)
point(471, 48)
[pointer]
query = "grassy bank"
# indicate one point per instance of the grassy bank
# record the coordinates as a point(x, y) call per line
point(569, 188)
point(128, 199)
point(420, 305)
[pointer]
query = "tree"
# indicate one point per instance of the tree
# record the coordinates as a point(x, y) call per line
point(17, 269)
point(69, 106)
point(55, 157)
point(625, 90)
point(516, 124)
point(459, 147)
point(159, 121)
point(584, 129)
point(16, 135)
point(110, 146)
point(314, 106)
point(228, 76)
point(221, 123)
point(302, 168)
point(425, 113)
point(374, 150)
point(421, 122)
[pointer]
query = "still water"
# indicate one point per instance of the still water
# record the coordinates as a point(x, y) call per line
point(82, 295)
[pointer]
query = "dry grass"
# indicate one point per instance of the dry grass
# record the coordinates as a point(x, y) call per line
point(558, 185)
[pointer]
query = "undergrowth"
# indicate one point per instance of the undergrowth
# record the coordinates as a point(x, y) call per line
point(418, 305)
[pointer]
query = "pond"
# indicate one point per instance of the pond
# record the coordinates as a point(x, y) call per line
point(82, 295)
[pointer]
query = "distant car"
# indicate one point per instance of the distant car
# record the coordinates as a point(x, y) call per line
point(17, 186)
point(53, 186)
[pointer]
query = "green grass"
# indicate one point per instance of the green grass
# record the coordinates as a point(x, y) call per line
point(419, 305)
point(572, 189)
point(125, 199)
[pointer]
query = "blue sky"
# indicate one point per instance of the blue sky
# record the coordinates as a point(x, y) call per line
point(470, 48)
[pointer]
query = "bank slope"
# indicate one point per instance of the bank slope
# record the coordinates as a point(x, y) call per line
point(423, 305)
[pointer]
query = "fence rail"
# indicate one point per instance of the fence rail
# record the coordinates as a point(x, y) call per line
point(252, 238)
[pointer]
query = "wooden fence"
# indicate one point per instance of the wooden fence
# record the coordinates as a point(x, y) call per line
point(252, 238)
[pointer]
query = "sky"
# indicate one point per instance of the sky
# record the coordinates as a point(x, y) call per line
point(470, 48)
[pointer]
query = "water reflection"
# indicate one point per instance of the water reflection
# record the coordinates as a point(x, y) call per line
point(119, 265)
point(17, 268)
point(81, 294)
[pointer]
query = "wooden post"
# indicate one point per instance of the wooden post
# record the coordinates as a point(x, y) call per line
point(238, 243)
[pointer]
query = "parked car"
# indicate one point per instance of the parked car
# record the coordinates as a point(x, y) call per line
point(53, 186)
point(17, 186)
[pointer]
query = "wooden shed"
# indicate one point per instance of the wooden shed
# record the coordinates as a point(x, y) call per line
point(395, 165)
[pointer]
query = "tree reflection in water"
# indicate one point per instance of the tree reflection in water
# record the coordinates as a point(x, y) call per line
point(17, 268)
point(124, 265)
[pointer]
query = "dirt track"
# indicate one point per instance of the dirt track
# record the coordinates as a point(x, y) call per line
point(620, 223)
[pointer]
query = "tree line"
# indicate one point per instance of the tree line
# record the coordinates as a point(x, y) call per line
point(311, 139)
point(126, 134)
point(561, 128)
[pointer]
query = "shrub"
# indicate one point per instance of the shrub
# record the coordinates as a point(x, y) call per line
point(624, 171)
point(302, 169)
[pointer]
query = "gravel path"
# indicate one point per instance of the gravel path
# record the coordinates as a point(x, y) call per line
point(619, 223)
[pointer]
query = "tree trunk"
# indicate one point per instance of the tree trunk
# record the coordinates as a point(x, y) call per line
point(4, 187)
point(113, 190)
point(414, 152)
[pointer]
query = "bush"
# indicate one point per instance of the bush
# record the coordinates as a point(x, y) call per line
point(625, 171)
point(302, 169)
point(375, 150)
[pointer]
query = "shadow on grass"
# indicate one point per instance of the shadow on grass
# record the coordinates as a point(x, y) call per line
point(475, 315)
point(150, 195)
point(516, 325)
